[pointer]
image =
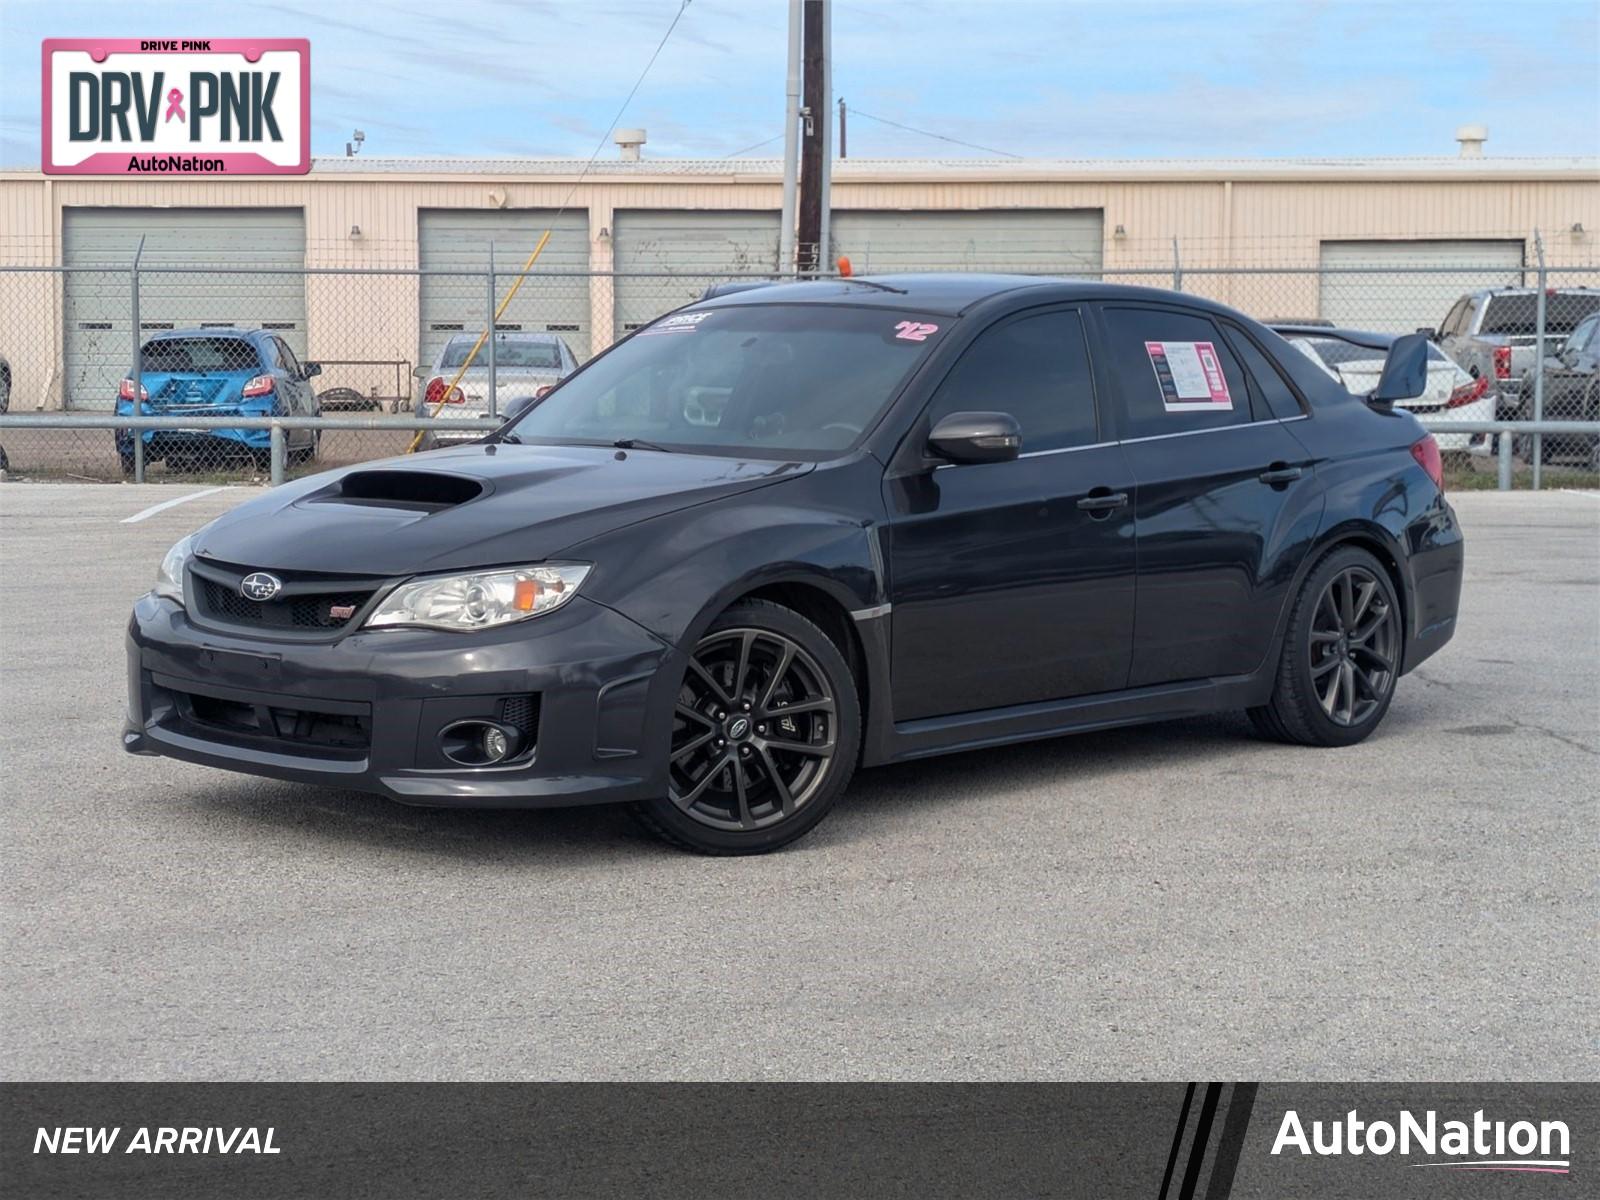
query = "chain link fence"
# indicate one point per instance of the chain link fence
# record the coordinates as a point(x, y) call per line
point(214, 355)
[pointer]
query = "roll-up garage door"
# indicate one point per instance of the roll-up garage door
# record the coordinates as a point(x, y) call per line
point(453, 251)
point(667, 258)
point(1028, 241)
point(1372, 289)
point(98, 244)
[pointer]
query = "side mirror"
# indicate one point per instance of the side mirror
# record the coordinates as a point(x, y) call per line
point(516, 408)
point(976, 437)
point(1405, 370)
point(420, 372)
point(307, 370)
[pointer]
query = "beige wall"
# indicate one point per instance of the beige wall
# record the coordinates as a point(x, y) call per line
point(1223, 215)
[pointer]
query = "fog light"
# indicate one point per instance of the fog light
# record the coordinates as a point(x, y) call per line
point(475, 743)
point(495, 745)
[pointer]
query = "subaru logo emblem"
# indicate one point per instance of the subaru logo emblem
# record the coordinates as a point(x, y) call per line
point(260, 586)
point(739, 728)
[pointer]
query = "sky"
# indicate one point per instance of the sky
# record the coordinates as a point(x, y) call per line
point(1037, 78)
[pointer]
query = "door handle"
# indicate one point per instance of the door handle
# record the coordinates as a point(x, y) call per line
point(1104, 502)
point(1280, 473)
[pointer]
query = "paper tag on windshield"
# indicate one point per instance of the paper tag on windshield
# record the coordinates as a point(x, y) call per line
point(677, 323)
point(1190, 376)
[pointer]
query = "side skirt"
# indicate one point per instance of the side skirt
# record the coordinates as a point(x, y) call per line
point(1107, 710)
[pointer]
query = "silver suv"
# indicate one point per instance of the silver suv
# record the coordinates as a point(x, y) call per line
point(1494, 333)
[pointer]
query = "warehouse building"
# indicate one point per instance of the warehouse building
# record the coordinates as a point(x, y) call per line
point(369, 265)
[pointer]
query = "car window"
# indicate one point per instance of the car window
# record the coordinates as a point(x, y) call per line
point(1517, 313)
point(1034, 367)
point(510, 350)
point(287, 358)
point(1582, 336)
point(1273, 390)
point(1174, 371)
point(200, 355)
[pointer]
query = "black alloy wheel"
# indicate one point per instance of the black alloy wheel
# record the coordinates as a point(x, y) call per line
point(1355, 644)
point(764, 734)
point(1341, 655)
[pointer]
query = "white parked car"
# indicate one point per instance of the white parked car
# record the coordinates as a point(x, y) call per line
point(525, 364)
point(1355, 358)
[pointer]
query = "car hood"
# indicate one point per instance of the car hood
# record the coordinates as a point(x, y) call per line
point(471, 506)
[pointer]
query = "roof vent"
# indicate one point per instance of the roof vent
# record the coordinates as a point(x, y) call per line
point(629, 140)
point(1472, 138)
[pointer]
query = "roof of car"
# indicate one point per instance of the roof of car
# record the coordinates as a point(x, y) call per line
point(947, 293)
point(209, 331)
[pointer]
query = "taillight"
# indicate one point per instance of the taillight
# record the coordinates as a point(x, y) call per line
point(1502, 362)
point(1468, 392)
point(1426, 452)
point(125, 391)
point(437, 395)
point(260, 385)
point(540, 393)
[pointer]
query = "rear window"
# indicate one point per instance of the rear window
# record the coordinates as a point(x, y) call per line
point(1518, 315)
point(200, 355)
point(509, 351)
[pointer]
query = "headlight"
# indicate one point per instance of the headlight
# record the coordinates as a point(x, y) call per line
point(169, 576)
point(482, 599)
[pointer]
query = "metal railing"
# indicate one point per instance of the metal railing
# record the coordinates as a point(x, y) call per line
point(278, 451)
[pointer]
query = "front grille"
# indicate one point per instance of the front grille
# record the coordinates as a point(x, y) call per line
point(315, 611)
point(307, 605)
point(302, 727)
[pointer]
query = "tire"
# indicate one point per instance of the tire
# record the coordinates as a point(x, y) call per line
point(125, 461)
point(766, 796)
point(1343, 640)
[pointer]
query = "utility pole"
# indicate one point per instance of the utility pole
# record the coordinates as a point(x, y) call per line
point(843, 148)
point(809, 251)
point(791, 146)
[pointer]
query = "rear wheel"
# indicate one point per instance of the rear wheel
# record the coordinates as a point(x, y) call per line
point(765, 735)
point(1341, 655)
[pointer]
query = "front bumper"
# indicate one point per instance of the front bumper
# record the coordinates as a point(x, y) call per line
point(365, 712)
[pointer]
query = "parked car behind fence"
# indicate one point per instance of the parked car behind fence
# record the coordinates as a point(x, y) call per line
point(1493, 334)
point(525, 364)
point(214, 372)
point(1355, 358)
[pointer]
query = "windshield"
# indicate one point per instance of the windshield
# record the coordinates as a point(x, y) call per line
point(1518, 314)
point(764, 380)
point(509, 351)
point(199, 354)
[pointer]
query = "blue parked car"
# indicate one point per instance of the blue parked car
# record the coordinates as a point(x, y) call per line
point(219, 372)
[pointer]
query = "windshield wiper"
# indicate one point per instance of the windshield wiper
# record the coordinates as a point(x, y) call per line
point(873, 283)
point(639, 444)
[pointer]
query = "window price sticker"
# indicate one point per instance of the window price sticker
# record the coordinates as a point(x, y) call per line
point(1190, 376)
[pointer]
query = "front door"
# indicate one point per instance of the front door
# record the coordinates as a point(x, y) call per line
point(1012, 582)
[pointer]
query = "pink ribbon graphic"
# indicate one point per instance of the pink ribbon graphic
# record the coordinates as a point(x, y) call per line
point(175, 105)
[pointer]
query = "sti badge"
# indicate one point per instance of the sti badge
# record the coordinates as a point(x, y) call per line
point(217, 106)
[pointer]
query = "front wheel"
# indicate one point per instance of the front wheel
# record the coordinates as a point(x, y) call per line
point(765, 735)
point(1340, 656)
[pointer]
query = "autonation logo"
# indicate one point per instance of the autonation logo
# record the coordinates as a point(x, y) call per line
point(1478, 1145)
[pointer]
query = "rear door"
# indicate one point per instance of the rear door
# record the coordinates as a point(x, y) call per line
point(1012, 582)
point(1227, 501)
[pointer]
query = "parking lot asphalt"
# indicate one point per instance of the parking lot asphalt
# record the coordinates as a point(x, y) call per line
point(1173, 901)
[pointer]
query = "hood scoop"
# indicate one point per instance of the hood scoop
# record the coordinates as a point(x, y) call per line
point(417, 491)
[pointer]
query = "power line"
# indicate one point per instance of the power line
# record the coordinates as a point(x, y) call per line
point(757, 146)
point(927, 133)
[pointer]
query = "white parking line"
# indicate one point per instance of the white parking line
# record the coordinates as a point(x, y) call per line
point(166, 504)
point(1577, 492)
